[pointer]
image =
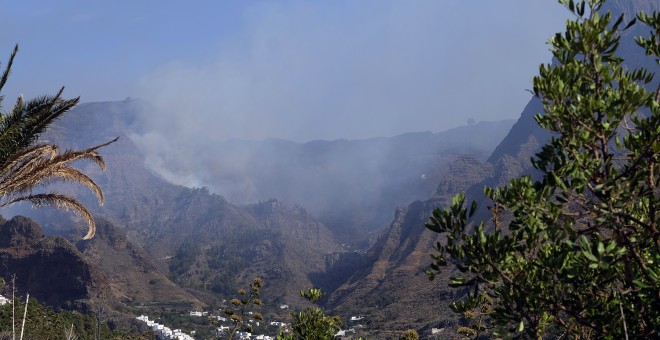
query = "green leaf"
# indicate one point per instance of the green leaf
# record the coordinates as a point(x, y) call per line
point(632, 22)
point(589, 256)
point(473, 208)
point(610, 246)
point(581, 8)
point(456, 282)
point(618, 22)
point(641, 284)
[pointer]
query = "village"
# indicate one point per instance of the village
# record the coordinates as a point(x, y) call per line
point(223, 327)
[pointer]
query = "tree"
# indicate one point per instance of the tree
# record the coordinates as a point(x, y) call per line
point(576, 252)
point(312, 323)
point(409, 334)
point(26, 165)
point(248, 299)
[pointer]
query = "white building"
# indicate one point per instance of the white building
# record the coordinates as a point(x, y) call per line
point(435, 331)
point(162, 332)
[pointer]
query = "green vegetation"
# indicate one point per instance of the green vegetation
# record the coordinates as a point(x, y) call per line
point(577, 252)
point(26, 165)
point(247, 300)
point(409, 334)
point(184, 258)
point(44, 323)
point(312, 323)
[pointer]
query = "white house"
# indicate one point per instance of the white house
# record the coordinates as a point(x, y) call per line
point(436, 330)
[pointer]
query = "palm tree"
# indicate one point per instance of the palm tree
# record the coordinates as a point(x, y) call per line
point(26, 165)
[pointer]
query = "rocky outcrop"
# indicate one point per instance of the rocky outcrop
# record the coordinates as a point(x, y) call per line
point(464, 172)
point(293, 222)
point(302, 245)
point(131, 275)
point(390, 279)
point(49, 268)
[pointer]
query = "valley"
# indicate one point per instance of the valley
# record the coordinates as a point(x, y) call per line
point(182, 236)
point(166, 247)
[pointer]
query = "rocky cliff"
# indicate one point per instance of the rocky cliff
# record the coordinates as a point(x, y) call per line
point(49, 268)
point(390, 287)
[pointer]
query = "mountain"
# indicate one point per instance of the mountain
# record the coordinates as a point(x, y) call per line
point(158, 242)
point(352, 186)
point(388, 286)
point(161, 245)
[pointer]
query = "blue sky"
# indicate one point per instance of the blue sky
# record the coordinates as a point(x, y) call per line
point(298, 70)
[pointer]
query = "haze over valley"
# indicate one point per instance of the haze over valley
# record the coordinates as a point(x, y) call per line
point(303, 143)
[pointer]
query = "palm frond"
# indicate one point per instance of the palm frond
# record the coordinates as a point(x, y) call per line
point(25, 166)
point(42, 164)
point(41, 112)
point(27, 120)
point(37, 166)
point(62, 202)
point(35, 152)
point(89, 154)
point(5, 73)
point(24, 163)
point(10, 129)
point(74, 175)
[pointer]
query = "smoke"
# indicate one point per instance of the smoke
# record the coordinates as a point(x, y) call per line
point(305, 71)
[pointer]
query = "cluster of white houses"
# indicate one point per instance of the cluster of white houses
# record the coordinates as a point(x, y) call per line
point(163, 332)
point(4, 300)
point(224, 330)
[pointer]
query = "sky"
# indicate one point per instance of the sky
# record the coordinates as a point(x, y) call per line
point(297, 70)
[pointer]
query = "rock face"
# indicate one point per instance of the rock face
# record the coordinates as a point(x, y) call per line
point(132, 276)
point(48, 268)
point(463, 173)
point(390, 286)
point(299, 249)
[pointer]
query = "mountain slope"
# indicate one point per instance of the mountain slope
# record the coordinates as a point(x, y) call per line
point(350, 185)
point(155, 237)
